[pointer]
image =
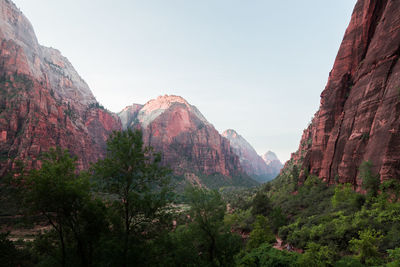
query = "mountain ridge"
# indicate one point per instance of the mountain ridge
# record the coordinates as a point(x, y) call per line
point(46, 103)
point(188, 141)
point(252, 163)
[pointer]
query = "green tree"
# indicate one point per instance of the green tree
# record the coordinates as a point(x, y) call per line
point(346, 199)
point(261, 204)
point(277, 218)
point(239, 220)
point(394, 256)
point(132, 174)
point(348, 262)
point(10, 255)
point(266, 255)
point(392, 189)
point(295, 176)
point(62, 195)
point(367, 246)
point(215, 242)
point(317, 255)
point(370, 181)
point(261, 233)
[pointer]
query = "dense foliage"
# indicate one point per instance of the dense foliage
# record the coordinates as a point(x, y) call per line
point(124, 212)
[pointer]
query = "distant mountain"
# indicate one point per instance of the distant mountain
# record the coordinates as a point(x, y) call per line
point(189, 143)
point(269, 157)
point(251, 162)
point(43, 100)
point(273, 163)
point(129, 114)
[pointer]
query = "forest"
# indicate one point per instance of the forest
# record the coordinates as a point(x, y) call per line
point(125, 211)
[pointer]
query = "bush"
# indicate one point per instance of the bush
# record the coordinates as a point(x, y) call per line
point(261, 233)
point(367, 246)
point(317, 255)
point(348, 262)
point(265, 255)
point(370, 181)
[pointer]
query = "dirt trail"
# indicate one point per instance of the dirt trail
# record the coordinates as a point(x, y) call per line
point(278, 244)
point(281, 246)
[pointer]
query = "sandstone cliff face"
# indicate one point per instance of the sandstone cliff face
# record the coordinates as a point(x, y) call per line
point(358, 118)
point(188, 142)
point(43, 101)
point(251, 162)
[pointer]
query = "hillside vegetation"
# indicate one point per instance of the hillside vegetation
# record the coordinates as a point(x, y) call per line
point(123, 211)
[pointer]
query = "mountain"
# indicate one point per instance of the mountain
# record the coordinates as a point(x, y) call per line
point(43, 100)
point(128, 115)
point(251, 162)
point(358, 118)
point(269, 157)
point(45, 103)
point(190, 145)
point(273, 163)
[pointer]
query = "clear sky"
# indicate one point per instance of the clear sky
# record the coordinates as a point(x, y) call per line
point(256, 66)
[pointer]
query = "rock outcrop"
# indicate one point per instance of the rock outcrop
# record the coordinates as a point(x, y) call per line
point(251, 162)
point(358, 118)
point(43, 101)
point(188, 142)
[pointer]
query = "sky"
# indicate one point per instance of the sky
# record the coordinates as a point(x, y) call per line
point(256, 66)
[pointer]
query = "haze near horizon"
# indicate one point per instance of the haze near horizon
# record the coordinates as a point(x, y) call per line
point(257, 67)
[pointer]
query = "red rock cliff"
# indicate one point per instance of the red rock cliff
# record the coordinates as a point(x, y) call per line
point(188, 142)
point(358, 118)
point(43, 101)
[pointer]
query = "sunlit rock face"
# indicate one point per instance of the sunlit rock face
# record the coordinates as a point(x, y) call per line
point(128, 115)
point(251, 162)
point(358, 118)
point(43, 100)
point(188, 142)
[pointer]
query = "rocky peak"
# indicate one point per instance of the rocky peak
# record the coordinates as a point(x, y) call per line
point(15, 26)
point(64, 79)
point(129, 114)
point(237, 141)
point(155, 107)
point(47, 65)
point(269, 157)
point(188, 142)
point(43, 101)
point(230, 133)
point(251, 162)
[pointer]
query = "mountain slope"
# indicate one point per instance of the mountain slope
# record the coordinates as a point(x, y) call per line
point(190, 145)
point(251, 162)
point(43, 100)
point(358, 118)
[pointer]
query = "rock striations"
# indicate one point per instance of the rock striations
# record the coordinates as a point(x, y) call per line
point(43, 100)
point(251, 162)
point(358, 118)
